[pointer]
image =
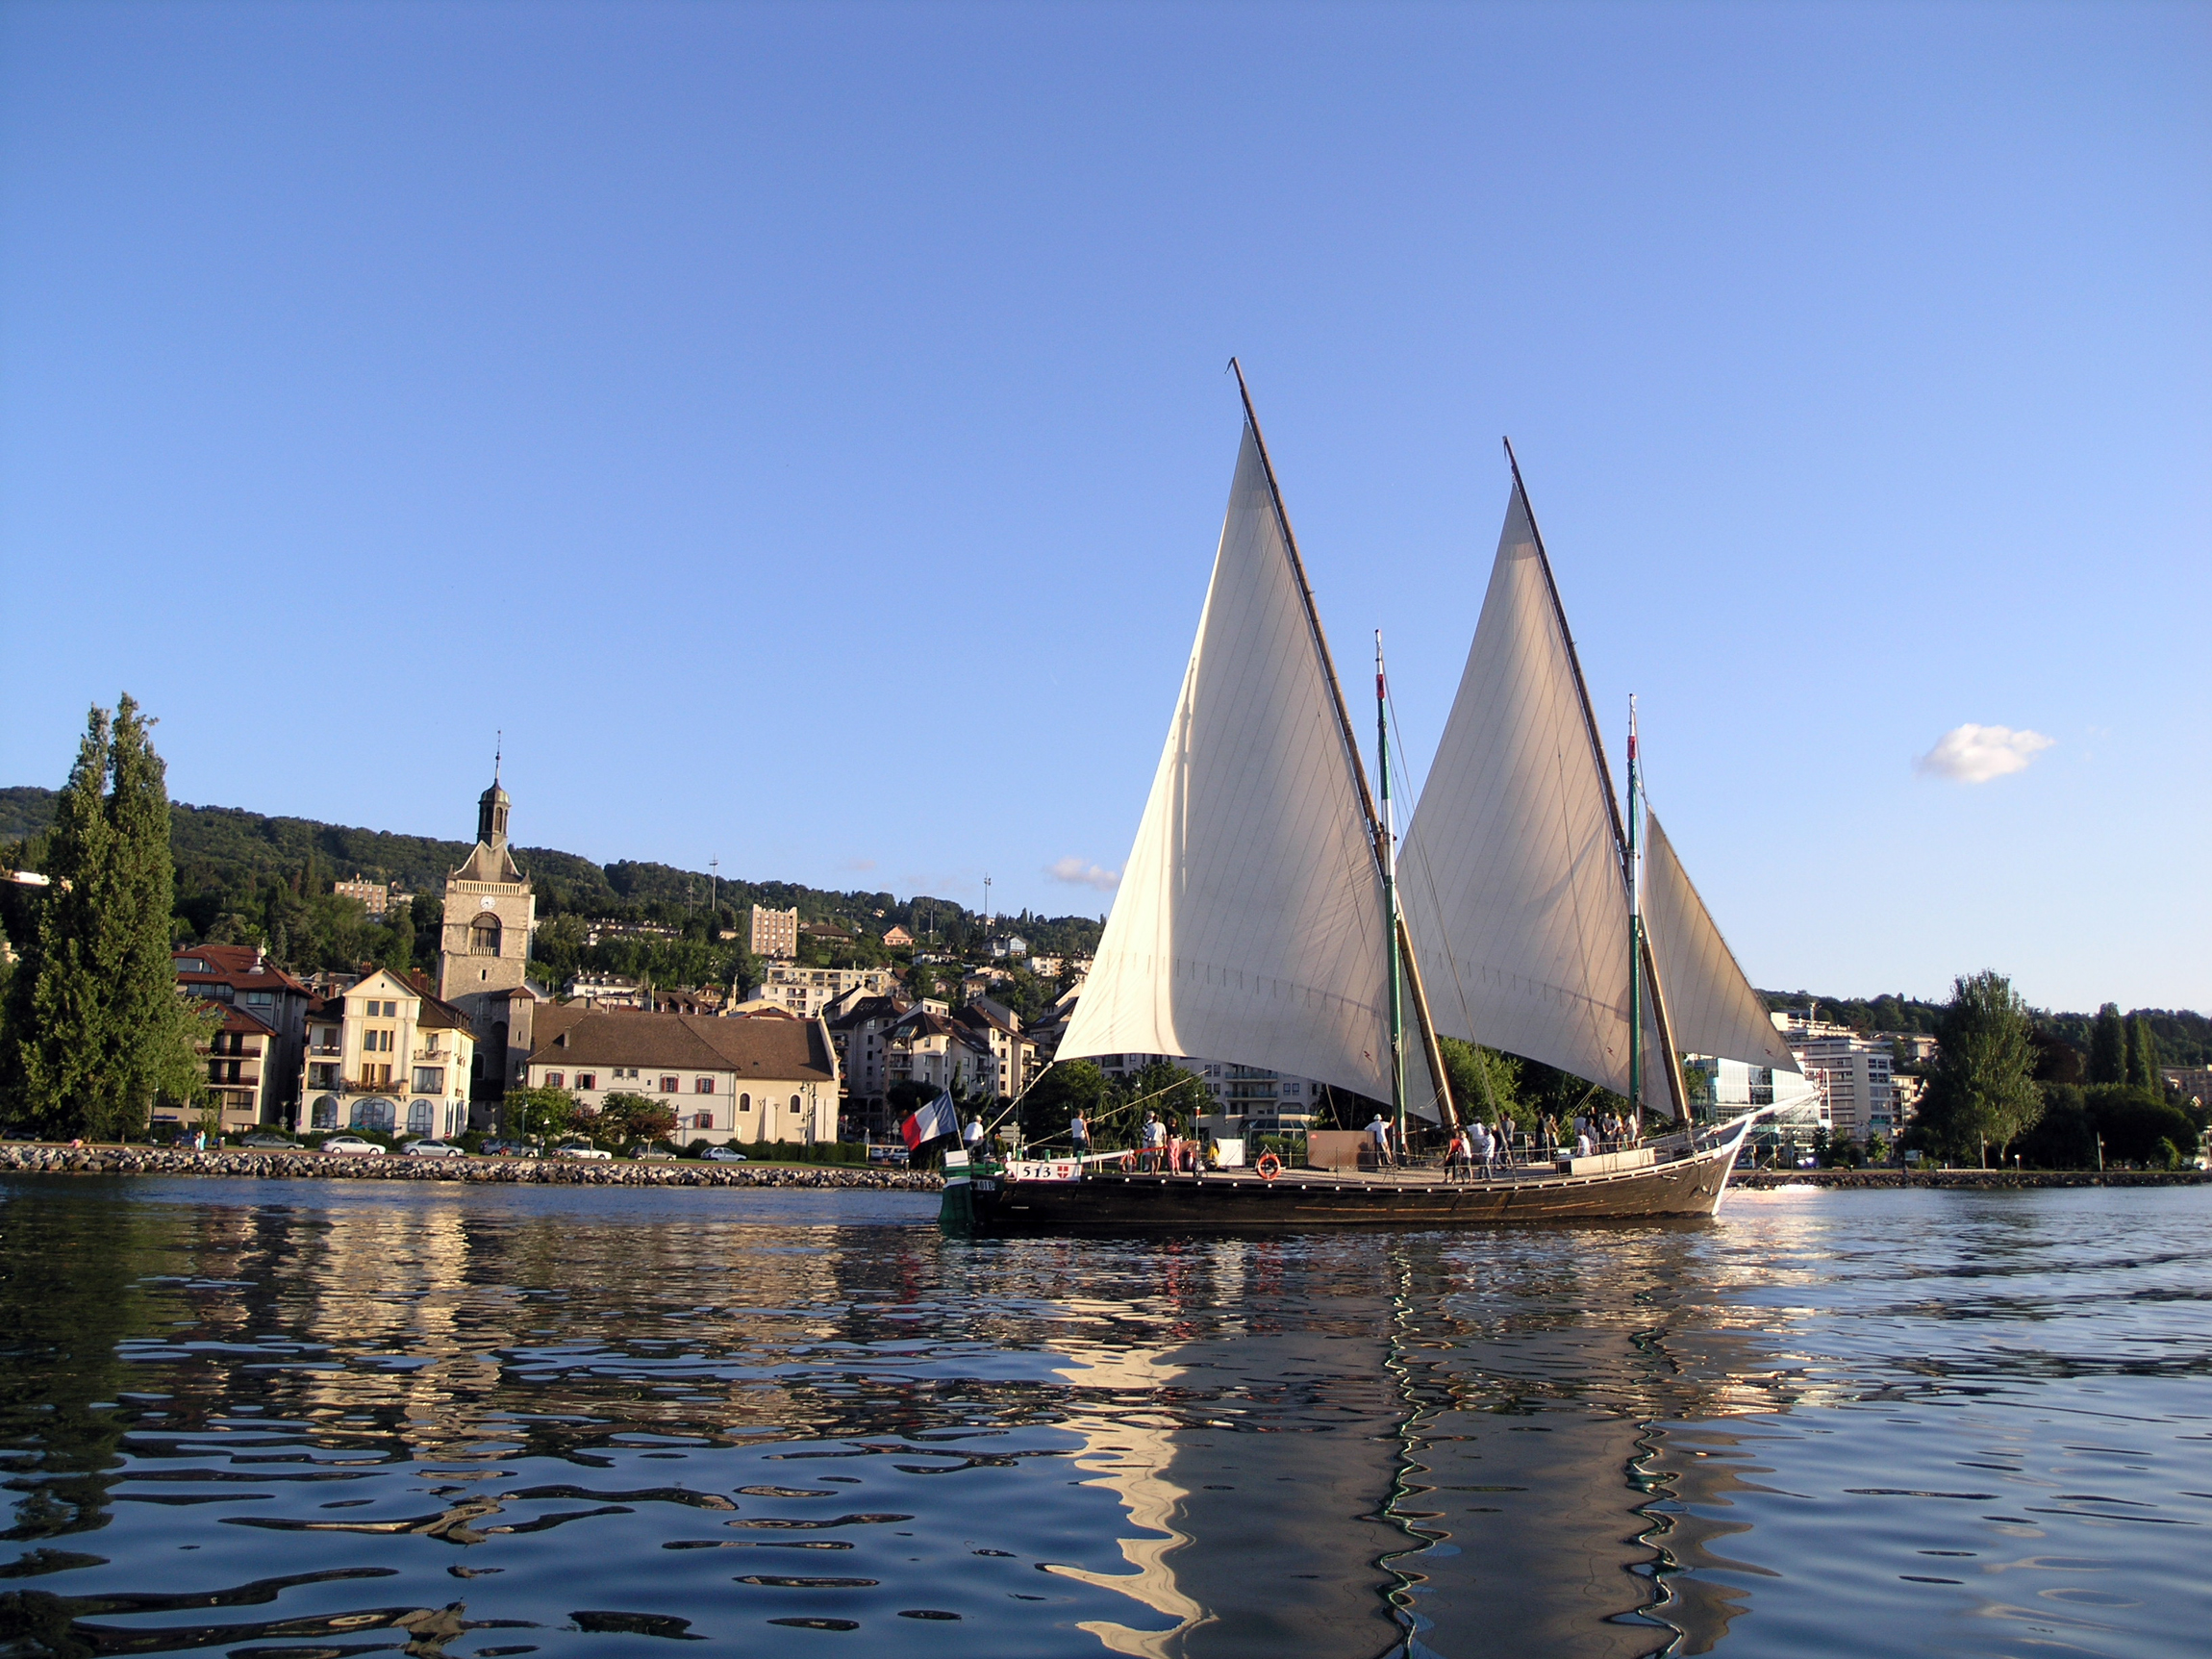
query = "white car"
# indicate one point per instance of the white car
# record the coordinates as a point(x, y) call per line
point(354, 1145)
point(434, 1150)
point(578, 1149)
point(724, 1155)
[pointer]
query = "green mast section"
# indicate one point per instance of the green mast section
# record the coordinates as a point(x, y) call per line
point(1387, 830)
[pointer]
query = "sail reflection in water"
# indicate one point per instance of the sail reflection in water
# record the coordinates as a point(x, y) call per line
point(251, 1419)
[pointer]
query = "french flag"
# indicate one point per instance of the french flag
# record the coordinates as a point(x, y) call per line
point(936, 1119)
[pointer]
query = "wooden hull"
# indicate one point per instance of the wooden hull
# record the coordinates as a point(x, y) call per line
point(1318, 1200)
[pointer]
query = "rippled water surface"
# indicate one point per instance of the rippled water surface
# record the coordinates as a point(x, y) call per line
point(283, 1421)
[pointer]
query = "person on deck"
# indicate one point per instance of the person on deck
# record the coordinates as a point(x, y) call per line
point(1582, 1143)
point(1078, 1133)
point(971, 1137)
point(1155, 1140)
point(1456, 1157)
point(1378, 1132)
point(1485, 1147)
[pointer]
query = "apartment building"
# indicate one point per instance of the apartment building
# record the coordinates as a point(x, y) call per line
point(775, 933)
point(239, 976)
point(806, 992)
point(385, 1054)
point(1853, 1072)
point(935, 1050)
point(731, 1081)
point(241, 1075)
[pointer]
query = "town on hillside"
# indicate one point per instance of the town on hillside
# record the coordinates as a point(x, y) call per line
point(828, 1028)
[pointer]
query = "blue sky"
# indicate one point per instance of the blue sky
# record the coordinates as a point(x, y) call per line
point(804, 432)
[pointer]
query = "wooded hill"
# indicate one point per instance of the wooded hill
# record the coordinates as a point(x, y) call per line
point(2184, 1037)
point(236, 867)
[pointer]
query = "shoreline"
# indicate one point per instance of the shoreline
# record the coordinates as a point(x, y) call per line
point(40, 1159)
point(1971, 1180)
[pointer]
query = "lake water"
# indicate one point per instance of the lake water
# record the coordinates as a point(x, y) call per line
point(291, 1420)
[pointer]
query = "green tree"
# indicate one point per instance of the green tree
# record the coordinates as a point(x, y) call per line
point(2108, 1046)
point(95, 1029)
point(2143, 1057)
point(627, 1117)
point(1485, 1084)
point(546, 1112)
point(1070, 1087)
point(1982, 1090)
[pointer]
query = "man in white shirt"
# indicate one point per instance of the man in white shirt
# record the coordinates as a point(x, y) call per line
point(1378, 1132)
point(1078, 1133)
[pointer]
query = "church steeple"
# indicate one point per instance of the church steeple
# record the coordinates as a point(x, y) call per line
point(492, 806)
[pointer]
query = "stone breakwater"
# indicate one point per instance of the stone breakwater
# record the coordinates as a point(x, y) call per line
point(527, 1171)
point(1974, 1180)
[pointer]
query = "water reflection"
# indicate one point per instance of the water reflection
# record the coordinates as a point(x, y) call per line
point(509, 1422)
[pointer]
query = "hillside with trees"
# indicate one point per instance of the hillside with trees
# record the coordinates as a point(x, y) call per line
point(245, 877)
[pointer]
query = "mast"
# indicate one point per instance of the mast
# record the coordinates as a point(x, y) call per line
point(1640, 954)
point(1388, 844)
point(1376, 833)
point(1635, 933)
point(1640, 950)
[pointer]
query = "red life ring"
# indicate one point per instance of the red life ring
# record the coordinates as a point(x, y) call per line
point(1270, 1166)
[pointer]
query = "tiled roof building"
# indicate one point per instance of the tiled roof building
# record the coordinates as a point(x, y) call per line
point(741, 1080)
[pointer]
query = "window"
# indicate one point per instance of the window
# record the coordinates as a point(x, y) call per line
point(669, 1084)
point(420, 1115)
point(372, 1114)
point(587, 1080)
point(745, 1103)
point(702, 1120)
point(323, 1114)
point(795, 1102)
point(702, 1085)
point(260, 999)
point(554, 1079)
point(484, 935)
point(321, 1075)
point(430, 1079)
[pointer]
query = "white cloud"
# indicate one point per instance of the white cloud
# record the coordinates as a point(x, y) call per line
point(860, 863)
point(1972, 754)
point(1077, 873)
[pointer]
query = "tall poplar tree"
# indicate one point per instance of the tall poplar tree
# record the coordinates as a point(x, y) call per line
point(2108, 1046)
point(95, 1029)
point(2143, 1057)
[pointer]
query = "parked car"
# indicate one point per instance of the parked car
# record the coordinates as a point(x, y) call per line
point(582, 1149)
point(724, 1155)
point(509, 1149)
point(270, 1144)
point(434, 1150)
point(20, 1135)
point(894, 1156)
point(657, 1153)
point(352, 1144)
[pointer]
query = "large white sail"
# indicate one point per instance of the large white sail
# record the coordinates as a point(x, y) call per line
point(1710, 1004)
point(1511, 876)
point(1249, 924)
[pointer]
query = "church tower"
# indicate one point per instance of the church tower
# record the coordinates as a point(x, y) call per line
point(484, 953)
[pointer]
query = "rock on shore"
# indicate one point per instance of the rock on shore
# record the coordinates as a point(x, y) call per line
point(305, 1166)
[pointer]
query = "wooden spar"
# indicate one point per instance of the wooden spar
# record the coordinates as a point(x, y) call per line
point(1376, 834)
point(1612, 802)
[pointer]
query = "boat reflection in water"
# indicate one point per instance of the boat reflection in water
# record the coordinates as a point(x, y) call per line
point(342, 1418)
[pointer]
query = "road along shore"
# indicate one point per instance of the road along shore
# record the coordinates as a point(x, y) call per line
point(1973, 1180)
point(303, 1166)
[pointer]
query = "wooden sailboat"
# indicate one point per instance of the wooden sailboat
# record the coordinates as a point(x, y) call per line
point(1262, 917)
